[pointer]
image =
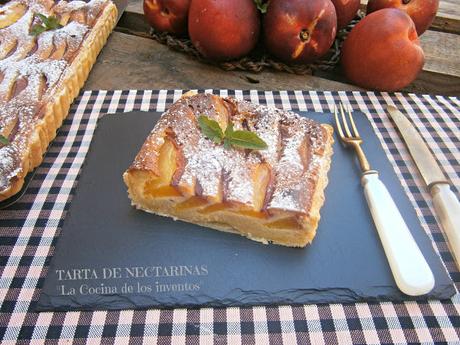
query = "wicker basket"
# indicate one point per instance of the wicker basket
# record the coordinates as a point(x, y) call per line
point(259, 59)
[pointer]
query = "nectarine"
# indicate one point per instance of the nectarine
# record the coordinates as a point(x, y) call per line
point(299, 31)
point(346, 10)
point(383, 51)
point(422, 12)
point(224, 29)
point(167, 15)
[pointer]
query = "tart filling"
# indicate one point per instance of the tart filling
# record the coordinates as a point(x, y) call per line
point(270, 195)
point(41, 72)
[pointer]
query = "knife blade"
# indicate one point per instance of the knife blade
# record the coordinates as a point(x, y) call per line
point(445, 202)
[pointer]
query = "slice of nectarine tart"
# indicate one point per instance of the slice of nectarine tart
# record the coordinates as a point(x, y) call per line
point(234, 166)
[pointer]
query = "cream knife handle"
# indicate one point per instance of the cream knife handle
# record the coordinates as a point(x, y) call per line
point(410, 270)
point(447, 209)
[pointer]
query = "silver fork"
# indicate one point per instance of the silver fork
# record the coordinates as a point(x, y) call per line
point(410, 270)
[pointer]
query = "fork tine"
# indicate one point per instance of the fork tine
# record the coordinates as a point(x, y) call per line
point(337, 123)
point(355, 130)
point(345, 123)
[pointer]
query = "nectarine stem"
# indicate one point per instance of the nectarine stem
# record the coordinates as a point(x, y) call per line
point(304, 35)
point(405, 2)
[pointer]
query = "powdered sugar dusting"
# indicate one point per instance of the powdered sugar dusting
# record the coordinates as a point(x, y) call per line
point(32, 70)
point(294, 152)
point(72, 35)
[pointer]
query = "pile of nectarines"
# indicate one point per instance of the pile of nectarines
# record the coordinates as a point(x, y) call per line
point(381, 52)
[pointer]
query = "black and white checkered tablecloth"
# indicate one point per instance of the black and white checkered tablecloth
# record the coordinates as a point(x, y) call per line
point(29, 230)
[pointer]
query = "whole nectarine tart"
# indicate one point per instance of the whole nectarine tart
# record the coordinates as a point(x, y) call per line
point(47, 49)
point(234, 166)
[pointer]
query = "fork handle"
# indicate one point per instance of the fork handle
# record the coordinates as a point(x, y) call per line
point(410, 270)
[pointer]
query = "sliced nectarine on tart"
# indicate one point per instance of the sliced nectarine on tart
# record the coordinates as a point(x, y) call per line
point(234, 166)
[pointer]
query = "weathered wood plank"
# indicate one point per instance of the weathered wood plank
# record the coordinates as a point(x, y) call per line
point(130, 62)
point(442, 52)
point(426, 82)
point(135, 6)
point(435, 84)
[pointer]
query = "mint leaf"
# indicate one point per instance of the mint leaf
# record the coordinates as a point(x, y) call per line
point(53, 23)
point(261, 5)
point(43, 18)
point(229, 129)
point(242, 139)
point(247, 140)
point(4, 140)
point(211, 129)
point(37, 30)
point(48, 23)
point(227, 144)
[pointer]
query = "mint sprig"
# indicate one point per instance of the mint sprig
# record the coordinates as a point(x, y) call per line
point(3, 140)
point(48, 23)
point(242, 139)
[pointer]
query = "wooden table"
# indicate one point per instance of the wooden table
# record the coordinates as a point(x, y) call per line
point(132, 61)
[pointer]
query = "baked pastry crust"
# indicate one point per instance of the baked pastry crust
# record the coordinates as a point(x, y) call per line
point(41, 75)
point(272, 195)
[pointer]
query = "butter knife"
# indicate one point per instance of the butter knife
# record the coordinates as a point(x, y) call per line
point(445, 202)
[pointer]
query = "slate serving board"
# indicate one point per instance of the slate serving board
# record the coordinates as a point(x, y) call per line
point(111, 256)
